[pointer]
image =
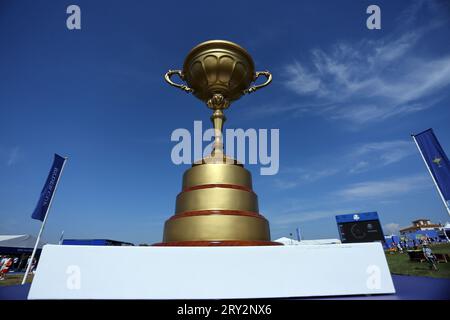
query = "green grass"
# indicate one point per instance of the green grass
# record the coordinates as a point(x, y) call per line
point(13, 279)
point(399, 263)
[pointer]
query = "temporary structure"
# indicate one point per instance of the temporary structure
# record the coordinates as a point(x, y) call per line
point(18, 244)
point(291, 242)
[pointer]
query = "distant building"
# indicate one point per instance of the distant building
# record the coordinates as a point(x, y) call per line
point(20, 246)
point(423, 228)
point(420, 225)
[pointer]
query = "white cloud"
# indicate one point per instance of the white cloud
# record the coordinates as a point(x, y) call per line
point(293, 177)
point(360, 166)
point(380, 154)
point(361, 158)
point(285, 183)
point(296, 217)
point(391, 228)
point(13, 156)
point(301, 81)
point(383, 189)
point(9, 156)
point(349, 200)
point(372, 80)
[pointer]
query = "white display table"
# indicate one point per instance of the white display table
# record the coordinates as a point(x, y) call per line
point(91, 272)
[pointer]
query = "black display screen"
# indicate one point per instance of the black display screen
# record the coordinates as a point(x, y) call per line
point(361, 231)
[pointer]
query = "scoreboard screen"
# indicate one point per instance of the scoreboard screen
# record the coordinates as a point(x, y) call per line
point(359, 227)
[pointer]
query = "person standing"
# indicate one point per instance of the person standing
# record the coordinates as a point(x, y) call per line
point(15, 264)
point(5, 268)
point(33, 265)
point(431, 258)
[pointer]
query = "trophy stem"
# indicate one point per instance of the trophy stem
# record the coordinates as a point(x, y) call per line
point(218, 118)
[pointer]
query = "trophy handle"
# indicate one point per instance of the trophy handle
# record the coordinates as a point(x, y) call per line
point(266, 74)
point(168, 77)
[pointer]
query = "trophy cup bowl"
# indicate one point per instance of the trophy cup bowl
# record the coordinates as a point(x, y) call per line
point(218, 68)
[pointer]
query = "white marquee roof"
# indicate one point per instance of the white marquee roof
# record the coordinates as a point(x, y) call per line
point(19, 241)
point(291, 242)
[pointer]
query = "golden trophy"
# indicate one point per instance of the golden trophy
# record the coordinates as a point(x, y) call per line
point(217, 205)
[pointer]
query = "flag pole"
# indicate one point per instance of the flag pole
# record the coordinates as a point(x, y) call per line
point(431, 174)
point(299, 238)
point(61, 238)
point(43, 225)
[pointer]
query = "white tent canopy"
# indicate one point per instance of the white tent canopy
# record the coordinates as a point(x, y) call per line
point(291, 242)
point(22, 241)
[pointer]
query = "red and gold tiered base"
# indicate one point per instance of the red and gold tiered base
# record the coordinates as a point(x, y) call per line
point(217, 207)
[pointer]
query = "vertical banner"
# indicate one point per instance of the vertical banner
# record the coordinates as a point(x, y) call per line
point(437, 163)
point(49, 188)
point(44, 203)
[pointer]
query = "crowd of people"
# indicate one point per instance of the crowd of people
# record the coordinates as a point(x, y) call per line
point(12, 263)
point(407, 244)
point(415, 245)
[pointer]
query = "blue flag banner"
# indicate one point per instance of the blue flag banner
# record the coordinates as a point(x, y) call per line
point(299, 236)
point(49, 188)
point(436, 160)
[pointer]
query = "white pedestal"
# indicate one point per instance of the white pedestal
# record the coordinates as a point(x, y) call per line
point(90, 272)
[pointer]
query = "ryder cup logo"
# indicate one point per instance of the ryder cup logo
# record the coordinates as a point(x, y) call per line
point(356, 217)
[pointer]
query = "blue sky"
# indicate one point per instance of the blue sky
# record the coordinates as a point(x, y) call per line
point(345, 99)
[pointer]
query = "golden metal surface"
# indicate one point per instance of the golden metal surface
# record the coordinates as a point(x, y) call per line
point(217, 72)
point(217, 174)
point(216, 199)
point(218, 67)
point(217, 159)
point(216, 227)
point(218, 118)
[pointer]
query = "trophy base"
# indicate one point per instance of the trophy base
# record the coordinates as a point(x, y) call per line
point(222, 243)
point(216, 228)
point(216, 207)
